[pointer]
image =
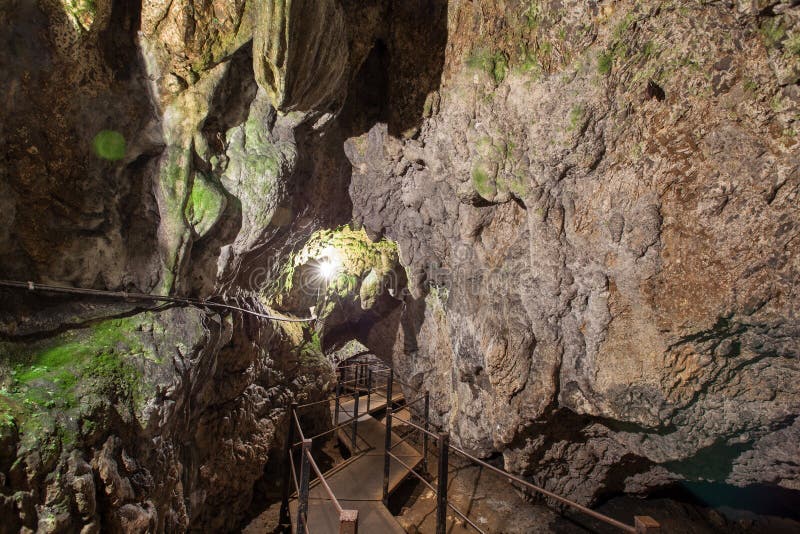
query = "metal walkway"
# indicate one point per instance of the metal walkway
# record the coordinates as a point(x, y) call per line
point(352, 496)
point(358, 483)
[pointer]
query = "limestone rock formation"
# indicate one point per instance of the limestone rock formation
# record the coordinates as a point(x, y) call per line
point(115, 416)
point(598, 220)
point(594, 206)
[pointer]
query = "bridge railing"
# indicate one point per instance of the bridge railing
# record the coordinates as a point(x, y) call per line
point(348, 519)
point(642, 524)
point(362, 378)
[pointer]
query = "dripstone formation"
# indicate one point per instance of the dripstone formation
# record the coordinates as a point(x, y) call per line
point(589, 256)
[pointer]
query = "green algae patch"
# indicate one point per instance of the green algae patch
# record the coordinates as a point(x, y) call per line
point(48, 386)
point(493, 63)
point(496, 171)
point(605, 61)
point(483, 183)
point(255, 168)
point(205, 204)
point(356, 258)
point(109, 145)
point(305, 345)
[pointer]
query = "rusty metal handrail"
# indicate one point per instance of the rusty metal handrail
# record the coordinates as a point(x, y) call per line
point(421, 397)
point(465, 518)
point(351, 381)
point(430, 486)
point(404, 439)
point(411, 470)
point(432, 434)
point(309, 404)
point(297, 424)
point(294, 476)
point(588, 511)
point(297, 492)
point(347, 422)
point(642, 524)
point(324, 483)
point(348, 519)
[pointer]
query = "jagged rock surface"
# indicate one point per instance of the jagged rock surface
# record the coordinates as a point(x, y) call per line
point(600, 234)
point(208, 180)
point(596, 206)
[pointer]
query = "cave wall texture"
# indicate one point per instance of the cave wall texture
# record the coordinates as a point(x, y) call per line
point(595, 204)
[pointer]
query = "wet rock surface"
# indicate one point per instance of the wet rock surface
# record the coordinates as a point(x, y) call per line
point(595, 205)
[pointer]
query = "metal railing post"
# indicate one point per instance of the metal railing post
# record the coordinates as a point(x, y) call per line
point(305, 475)
point(425, 434)
point(348, 522)
point(355, 421)
point(369, 387)
point(645, 524)
point(287, 454)
point(388, 440)
point(441, 491)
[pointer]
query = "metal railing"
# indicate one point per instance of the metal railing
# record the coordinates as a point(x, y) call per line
point(361, 379)
point(364, 380)
point(348, 519)
point(642, 524)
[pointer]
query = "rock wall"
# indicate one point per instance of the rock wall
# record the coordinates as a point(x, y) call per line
point(143, 150)
point(189, 149)
point(598, 217)
point(156, 421)
point(594, 202)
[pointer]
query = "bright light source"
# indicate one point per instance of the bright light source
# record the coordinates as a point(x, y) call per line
point(328, 268)
point(330, 264)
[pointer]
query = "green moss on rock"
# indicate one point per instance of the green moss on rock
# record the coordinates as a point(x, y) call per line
point(357, 256)
point(605, 62)
point(46, 386)
point(81, 12)
point(576, 116)
point(483, 184)
point(494, 63)
point(205, 204)
point(496, 170)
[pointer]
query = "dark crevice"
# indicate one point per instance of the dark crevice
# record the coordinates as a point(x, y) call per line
point(230, 104)
point(117, 41)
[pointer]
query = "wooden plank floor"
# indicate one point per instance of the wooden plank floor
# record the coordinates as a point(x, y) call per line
point(358, 484)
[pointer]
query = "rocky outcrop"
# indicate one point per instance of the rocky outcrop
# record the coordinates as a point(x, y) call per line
point(301, 53)
point(177, 148)
point(157, 421)
point(598, 221)
point(119, 418)
point(595, 206)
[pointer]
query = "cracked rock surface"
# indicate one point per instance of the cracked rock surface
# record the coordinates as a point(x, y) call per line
point(601, 241)
point(595, 206)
